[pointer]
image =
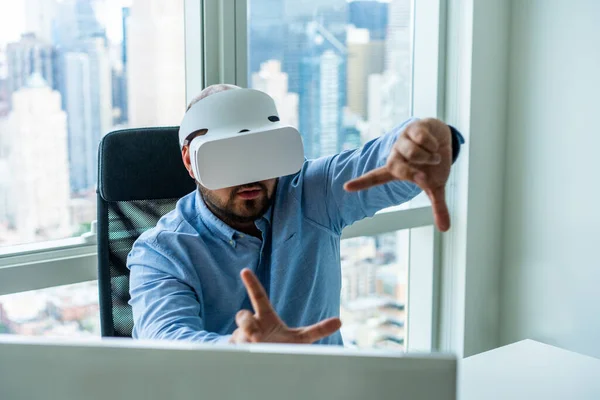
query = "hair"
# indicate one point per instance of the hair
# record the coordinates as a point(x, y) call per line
point(212, 89)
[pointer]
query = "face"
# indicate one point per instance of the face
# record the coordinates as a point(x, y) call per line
point(237, 204)
point(240, 204)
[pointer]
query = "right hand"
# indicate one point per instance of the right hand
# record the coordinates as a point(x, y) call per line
point(265, 326)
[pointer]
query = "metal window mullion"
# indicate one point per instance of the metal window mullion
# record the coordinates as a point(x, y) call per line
point(225, 42)
point(211, 41)
point(428, 64)
point(194, 48)
point(241, 42)
point(422, 286)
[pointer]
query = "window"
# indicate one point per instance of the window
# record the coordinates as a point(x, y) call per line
point(374, 290)
point(70, 72)
point(340, 71)
point(70, 310)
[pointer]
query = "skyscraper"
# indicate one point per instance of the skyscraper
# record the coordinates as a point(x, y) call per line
point(271, 80)
point(79, 110)
point(330, 106)
point(123, 97)
point(76, 21)
point(87, 95)
point(389, 92)
point(388, 102)
point(28, 56)
point(371, 15)
point(295, 8)
point(39, 180)
point(156, 63)
point(365, 57)
point(39, 18)
point(398, 44)
point(322, 85)
point(266, 28)
point(4, 100)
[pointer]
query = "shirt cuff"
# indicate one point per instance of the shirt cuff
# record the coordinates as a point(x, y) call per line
point(224, 339)
point(457, 141)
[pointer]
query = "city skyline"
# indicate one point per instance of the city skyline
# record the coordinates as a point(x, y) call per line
point(332, 77)
point(340, 77)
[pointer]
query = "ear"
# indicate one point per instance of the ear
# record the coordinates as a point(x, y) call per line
point(185, 155)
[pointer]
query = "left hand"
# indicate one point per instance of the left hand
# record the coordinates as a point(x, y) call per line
point(423, 155)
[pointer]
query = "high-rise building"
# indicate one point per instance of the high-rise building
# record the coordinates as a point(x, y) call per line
point(123, 97)
point(100, 88)
point(388, 102)
point(86, 94)
point(76, 21)
point(271, 80)
point(398, 43)
point(371, 15)
point(308, 110)
point(39, 18)
point(79, 111)
point(4, 97)
point(297, 45)
point(36, 129)
point(156, 63)
point(365, 57)
point(28, 56)
point(322, 83)
point(295, 8)
point(330, 106)
point(266, 32)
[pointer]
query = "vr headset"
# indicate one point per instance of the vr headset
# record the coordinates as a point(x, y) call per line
point(245, 141)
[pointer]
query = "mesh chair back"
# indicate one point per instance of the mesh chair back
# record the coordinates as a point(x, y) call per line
point(140, 178)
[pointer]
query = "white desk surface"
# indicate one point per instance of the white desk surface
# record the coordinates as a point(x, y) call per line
point(529, 370)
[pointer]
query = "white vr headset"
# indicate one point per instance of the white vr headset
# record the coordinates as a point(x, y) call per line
point(245, 142)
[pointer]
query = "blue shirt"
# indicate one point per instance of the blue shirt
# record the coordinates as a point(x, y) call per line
point(185, 273)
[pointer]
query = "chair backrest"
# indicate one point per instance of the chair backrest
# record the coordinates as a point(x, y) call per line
point(140, 178)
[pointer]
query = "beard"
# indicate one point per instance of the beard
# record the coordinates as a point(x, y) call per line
point(236, 210)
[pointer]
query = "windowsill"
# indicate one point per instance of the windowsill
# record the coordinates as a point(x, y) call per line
point(51, 245)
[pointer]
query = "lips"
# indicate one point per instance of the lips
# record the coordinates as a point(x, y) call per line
point(249, 193)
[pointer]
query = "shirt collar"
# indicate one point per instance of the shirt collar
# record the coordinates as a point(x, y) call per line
point(220, 228)
point(214, 224)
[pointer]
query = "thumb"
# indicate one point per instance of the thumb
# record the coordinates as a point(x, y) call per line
point(441, 215)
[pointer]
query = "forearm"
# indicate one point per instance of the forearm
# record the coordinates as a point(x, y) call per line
point(351, 207)
point(180, 332)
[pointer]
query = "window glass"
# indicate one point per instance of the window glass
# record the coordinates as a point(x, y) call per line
point(70, 72)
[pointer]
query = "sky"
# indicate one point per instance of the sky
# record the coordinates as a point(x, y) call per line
point(12, 19)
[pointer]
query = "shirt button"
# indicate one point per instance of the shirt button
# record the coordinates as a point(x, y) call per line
point(231, 242)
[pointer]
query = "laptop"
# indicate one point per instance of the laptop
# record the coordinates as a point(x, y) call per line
point(110, 368)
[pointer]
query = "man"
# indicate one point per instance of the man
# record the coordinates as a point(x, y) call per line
point(185, 282)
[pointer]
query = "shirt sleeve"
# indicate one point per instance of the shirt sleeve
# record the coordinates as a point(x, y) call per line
point(323, 196)
point(164, 305)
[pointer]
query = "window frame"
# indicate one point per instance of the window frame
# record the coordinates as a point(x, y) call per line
point(216, 51)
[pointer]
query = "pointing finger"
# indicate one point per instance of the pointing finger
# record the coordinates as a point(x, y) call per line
point(258, 297)
point(372, 178)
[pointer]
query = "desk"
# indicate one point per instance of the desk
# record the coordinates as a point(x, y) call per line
point(529, 370)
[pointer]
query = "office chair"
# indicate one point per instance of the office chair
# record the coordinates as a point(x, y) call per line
point(140, 178)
